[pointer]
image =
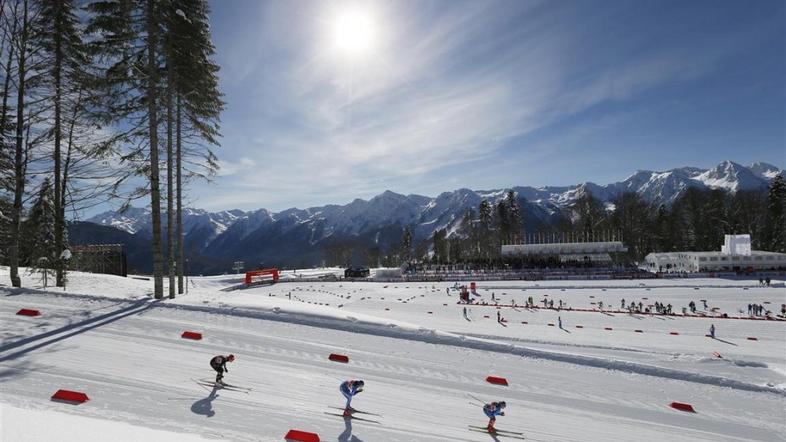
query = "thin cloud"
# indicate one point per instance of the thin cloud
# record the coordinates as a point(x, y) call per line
point(446, 88)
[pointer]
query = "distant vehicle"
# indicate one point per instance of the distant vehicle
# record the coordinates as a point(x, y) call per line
point(357, 272)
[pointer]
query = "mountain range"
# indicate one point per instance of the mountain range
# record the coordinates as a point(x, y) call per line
point(298, 237)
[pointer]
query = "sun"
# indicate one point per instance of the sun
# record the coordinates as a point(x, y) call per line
point(353, 32)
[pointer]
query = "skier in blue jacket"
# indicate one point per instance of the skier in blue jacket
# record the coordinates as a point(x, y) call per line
point(348, 389)
point(493, 410)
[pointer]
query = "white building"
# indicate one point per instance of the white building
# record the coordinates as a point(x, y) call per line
point(735, 255)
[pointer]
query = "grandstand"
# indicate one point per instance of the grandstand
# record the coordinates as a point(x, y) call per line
point(589, 253)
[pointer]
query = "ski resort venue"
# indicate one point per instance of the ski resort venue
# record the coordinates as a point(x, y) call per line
point(735, 256)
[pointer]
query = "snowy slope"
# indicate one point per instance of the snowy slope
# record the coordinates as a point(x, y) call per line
point(106, 337)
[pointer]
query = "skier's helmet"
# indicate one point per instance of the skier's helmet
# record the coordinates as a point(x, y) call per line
point(359, 384)
point(231, 358)
point(501, 404)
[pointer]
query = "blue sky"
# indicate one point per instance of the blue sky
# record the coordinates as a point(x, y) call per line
point(485, 94)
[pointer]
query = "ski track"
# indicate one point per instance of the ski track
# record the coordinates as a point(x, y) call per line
point(414, 368)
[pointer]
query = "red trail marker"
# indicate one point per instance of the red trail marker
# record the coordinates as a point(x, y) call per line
point(301, 436)
point(76, 397)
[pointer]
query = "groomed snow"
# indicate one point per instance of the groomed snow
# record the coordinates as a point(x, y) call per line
point(22, 424)
point(423, 362)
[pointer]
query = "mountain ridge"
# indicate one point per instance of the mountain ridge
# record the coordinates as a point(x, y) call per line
point(294, 234)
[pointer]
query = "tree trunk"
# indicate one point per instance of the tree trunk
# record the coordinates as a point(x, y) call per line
point(5, 157)
point(170, 218)
point(19, 169)
point(56, 74)
point(155, 194)
point(179, 168)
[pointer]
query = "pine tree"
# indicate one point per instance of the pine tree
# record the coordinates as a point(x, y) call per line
point(5, 223)
point(406, 243)
point(192, 89)
point(8, 24)
point(502, 221)
point(631, 217)
point(776, 215)
point(663, 230)
point(515, 217)
point(589, 215)
point(440, 245)
point(129, 48)
point(485, 227)
point(747, 214)
point(56, 32)
point(39, 249)
point(26, 76)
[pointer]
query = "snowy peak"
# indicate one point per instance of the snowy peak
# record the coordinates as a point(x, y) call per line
point(296, 234)
point(764, 171)
point(132, 220)
point(730, 176)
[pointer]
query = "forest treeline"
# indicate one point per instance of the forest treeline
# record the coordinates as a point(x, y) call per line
point(696, 221)
point(102, 100)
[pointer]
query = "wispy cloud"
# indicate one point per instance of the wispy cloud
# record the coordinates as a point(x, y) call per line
point(447, 86)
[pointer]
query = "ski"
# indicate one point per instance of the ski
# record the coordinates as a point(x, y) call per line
point(237, 387)
point(477, 427)
point(354, 418)
point(498, 433)
point(475, 398)
point(223, 386)
point(358, 411)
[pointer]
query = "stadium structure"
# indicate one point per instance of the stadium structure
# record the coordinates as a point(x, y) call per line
point(735, 256)
point(588, 253)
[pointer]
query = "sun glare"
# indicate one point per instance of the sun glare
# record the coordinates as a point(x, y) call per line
point(353, 32)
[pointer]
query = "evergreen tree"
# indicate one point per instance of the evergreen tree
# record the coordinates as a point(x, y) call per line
point(631, 218)
point(406, 243)
point(5, 222)
point(515, 217)
point(56, 32)
point(775, 230)
point(192, 90)
point(589, 215)
point(39, 249)
point(485, 227)
point(27, 73)
point(747, 214)
point(663, 229)
point(128, 46)
point(440, 245)
point(502, 222)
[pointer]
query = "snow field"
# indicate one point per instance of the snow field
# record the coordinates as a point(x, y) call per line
point(125, 351)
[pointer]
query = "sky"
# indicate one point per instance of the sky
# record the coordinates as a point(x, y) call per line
point(328, 101)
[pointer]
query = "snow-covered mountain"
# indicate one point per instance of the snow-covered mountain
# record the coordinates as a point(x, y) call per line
point(299, 234)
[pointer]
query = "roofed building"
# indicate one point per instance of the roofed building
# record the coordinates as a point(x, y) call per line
point(735, 256)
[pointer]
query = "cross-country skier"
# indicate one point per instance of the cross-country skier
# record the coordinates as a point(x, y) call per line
point(219, 364)
point(493, 410)
point(349, 389)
